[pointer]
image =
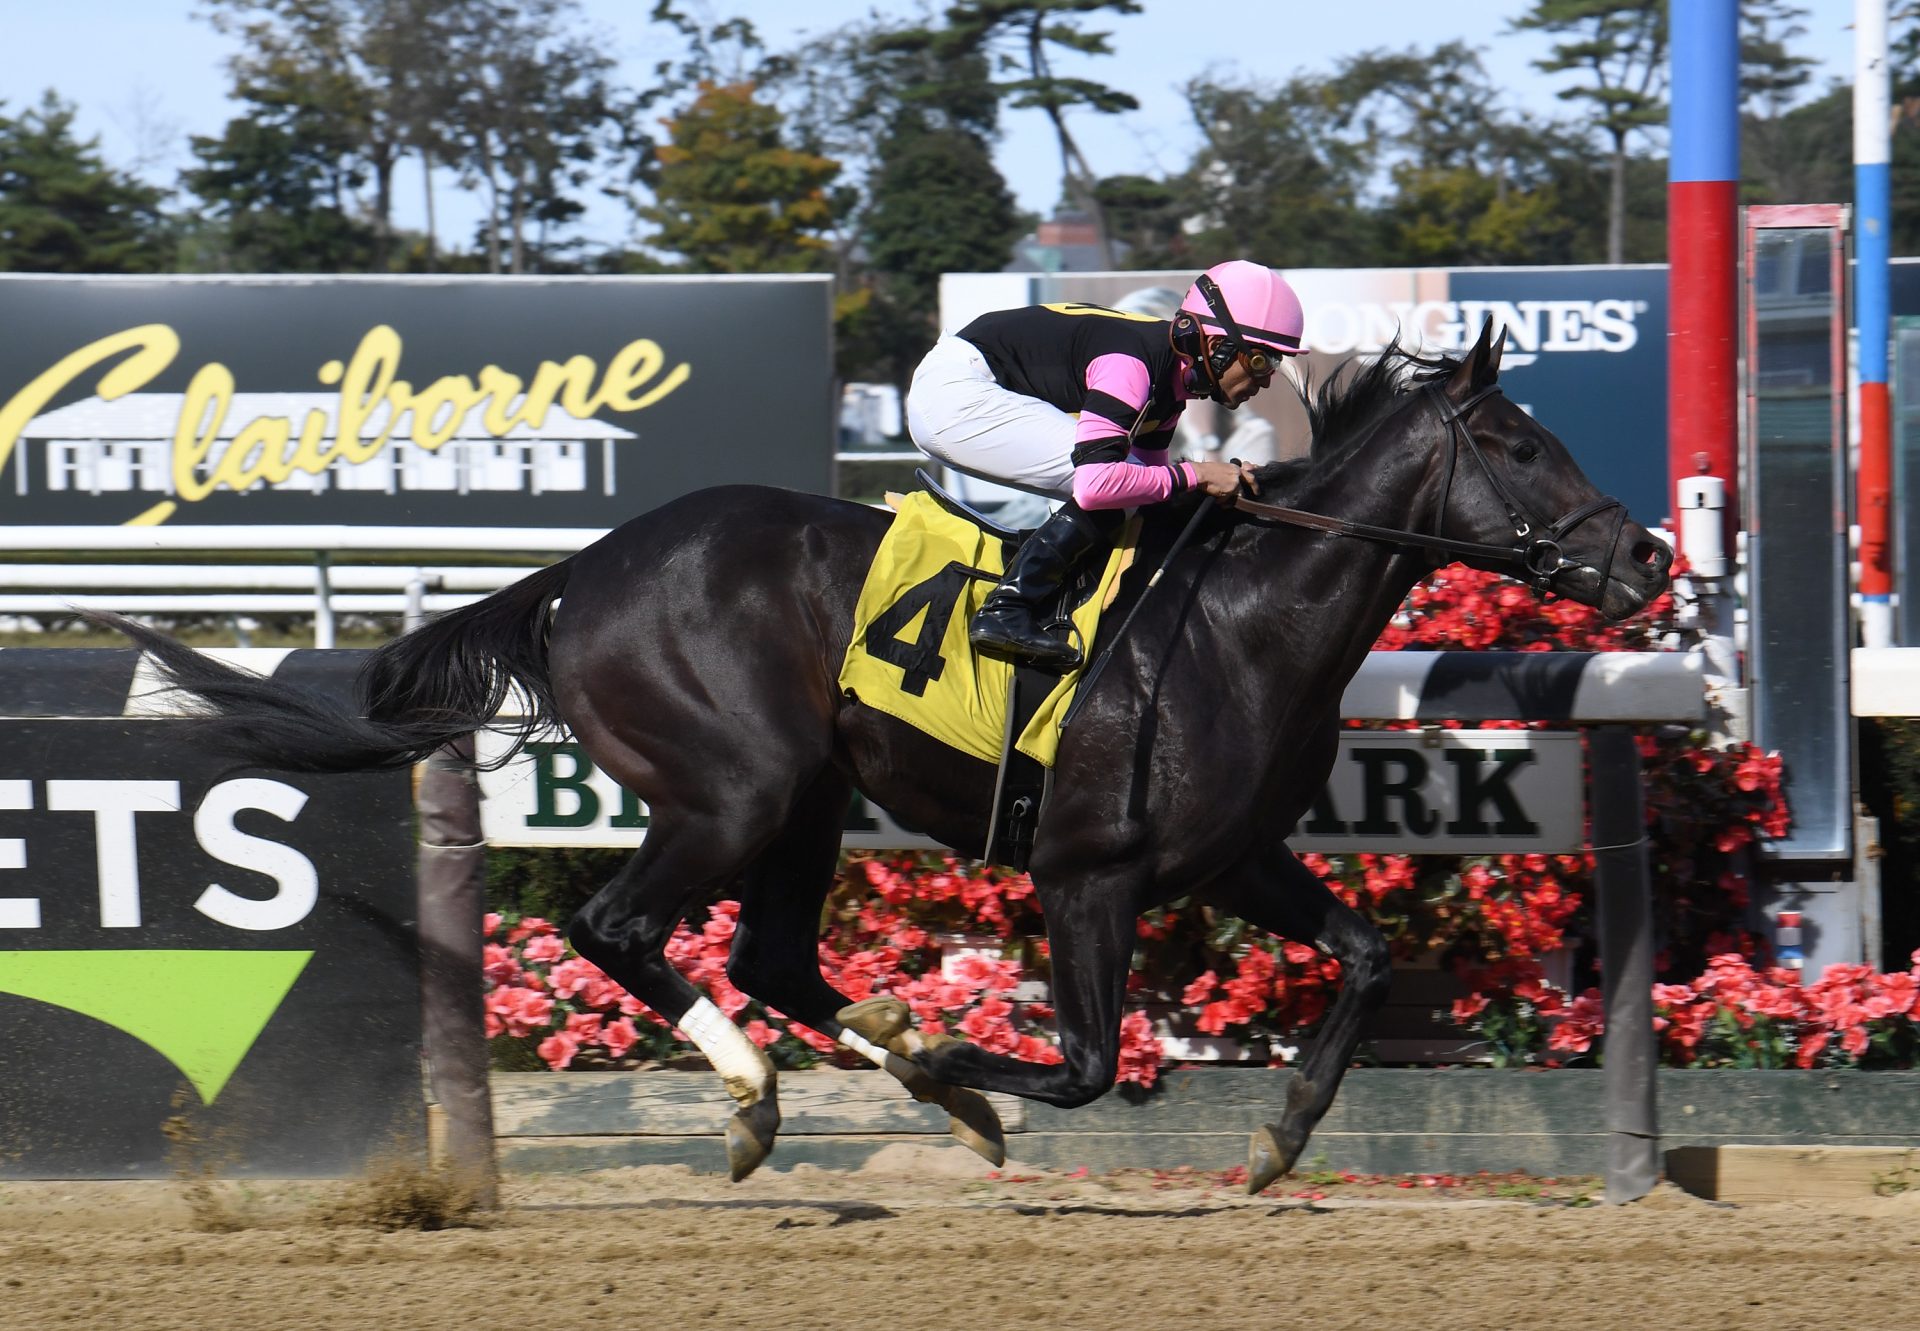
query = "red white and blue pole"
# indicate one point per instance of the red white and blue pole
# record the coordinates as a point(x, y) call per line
point(1872, 134)
point(1703, 179)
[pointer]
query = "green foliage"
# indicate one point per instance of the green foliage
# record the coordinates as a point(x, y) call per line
point(1621, 48)
point(731, 196)
point(275, 191)
point(1620, 45)
point(1890, 788)
point(1017, 37)
point(938, 206)
point(550, 882)
point(1274, 179)
point(63, 210)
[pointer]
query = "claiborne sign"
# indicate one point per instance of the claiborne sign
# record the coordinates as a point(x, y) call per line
point(1391, 792)
point(456, 402)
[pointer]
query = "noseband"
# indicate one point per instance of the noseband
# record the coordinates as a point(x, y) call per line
point(1535, 556)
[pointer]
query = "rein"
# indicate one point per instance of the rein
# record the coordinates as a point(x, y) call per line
point(1534, 558)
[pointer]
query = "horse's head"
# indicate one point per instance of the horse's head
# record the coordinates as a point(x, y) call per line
point(1505, 481)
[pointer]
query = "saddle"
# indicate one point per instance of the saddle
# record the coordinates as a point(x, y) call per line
point(909, 656)
point(1022, 785)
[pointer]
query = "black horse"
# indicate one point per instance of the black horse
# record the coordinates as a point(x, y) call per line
point(694, 654)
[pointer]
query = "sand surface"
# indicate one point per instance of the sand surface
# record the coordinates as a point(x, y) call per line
point(918, 1240)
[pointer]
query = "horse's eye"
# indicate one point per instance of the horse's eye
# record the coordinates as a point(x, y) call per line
point(1527, 452)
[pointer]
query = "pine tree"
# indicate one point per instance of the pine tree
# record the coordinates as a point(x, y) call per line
point(63, 210)
point(1621, 45)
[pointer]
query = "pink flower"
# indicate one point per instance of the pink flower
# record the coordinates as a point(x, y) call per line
point(1466, 1009)
point(1201, 988)
point(1140, 1052)
point(531, 926)
point(490, 923)
point(545, 949)
point(519, 1011)
point(498, 965)
point(585, 1025)
point(573, 976)
point(762, 1034)
point(557, 1050)
point(619, 1036)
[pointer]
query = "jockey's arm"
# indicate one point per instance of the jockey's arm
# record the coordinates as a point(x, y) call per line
point(1107, 473)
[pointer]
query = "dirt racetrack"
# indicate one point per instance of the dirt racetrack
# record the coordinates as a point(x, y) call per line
point(646, 1248)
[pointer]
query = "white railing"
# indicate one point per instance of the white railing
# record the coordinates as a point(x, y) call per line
point(322, 589)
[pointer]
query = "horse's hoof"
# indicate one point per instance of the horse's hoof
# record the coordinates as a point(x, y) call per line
point(1267, 1159)
point(975, 1125)
point(877, 1020)
point(750, 1135)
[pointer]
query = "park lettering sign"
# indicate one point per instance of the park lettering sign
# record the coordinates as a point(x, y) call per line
point(1391, 792)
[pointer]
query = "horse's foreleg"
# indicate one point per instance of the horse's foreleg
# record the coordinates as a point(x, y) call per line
point(776, 958)
point(1090, 927)
point(624, 931)
point(1281, 895)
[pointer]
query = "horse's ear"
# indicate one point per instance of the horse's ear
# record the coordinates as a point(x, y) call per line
point(1479, 367)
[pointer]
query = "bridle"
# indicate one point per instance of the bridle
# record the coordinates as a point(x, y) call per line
point(1534, 558)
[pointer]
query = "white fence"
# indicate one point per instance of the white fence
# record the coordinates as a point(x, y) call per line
point(323, 589)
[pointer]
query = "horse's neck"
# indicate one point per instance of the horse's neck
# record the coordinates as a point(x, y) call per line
point(1355, 585)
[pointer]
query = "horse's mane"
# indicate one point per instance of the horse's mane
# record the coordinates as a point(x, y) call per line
point(1353, 399)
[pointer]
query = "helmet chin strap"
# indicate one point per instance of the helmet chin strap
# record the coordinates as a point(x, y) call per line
point(1200, 385)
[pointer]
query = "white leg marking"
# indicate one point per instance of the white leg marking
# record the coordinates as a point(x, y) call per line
point(738, 1060)
point(864, 1047)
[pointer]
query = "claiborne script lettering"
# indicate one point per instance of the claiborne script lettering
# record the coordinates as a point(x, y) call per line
point(272, 448)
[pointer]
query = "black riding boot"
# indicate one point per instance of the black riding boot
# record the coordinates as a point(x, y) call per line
point(1008, 622)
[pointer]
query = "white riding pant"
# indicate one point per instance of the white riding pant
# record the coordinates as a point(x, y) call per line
point(958, 415)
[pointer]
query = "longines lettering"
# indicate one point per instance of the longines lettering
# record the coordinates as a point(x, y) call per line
point(1532, 325)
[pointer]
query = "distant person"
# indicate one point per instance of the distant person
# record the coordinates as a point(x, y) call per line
point(1079, 402)
point(1210, 433)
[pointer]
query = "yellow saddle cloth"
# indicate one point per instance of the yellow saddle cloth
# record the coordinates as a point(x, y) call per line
point(909, 656)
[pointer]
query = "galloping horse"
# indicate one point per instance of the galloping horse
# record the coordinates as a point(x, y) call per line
point(694, 654)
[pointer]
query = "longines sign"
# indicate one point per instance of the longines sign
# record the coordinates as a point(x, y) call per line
point(405, 401)
point(1392, 792)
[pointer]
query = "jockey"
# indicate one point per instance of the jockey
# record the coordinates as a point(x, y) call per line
point(1077, 402)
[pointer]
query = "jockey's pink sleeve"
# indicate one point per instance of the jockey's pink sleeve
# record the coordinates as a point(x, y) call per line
point(1119, 385)
point(1116, 385)
point(1126, 484)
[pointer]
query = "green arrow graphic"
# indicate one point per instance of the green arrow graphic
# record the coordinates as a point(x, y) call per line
point(201, 1011)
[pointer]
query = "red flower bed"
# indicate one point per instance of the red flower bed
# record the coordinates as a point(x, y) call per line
point(1493, 918)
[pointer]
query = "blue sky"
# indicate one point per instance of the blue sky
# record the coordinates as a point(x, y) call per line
point(147, 73)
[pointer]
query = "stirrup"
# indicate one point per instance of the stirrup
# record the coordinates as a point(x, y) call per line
point(1054, 655)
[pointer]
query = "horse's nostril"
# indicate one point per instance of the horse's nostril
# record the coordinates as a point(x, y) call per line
point(1652, 554)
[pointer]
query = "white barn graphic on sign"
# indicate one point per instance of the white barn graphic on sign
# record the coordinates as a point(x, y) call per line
point(127, 446)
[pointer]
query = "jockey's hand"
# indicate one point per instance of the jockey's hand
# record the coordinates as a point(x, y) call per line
point(1222, 479)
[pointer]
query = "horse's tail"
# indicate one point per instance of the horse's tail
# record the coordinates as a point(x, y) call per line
point(413, 696)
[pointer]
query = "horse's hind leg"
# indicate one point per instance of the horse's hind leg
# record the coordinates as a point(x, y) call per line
point(624, 931)
point(776, 956)
point(1278, 893)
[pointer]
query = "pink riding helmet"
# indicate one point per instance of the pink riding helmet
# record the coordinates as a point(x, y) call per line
point(1259, 300)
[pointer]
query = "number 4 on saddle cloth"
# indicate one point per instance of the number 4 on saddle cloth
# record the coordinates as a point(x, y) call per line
point(909, 656)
